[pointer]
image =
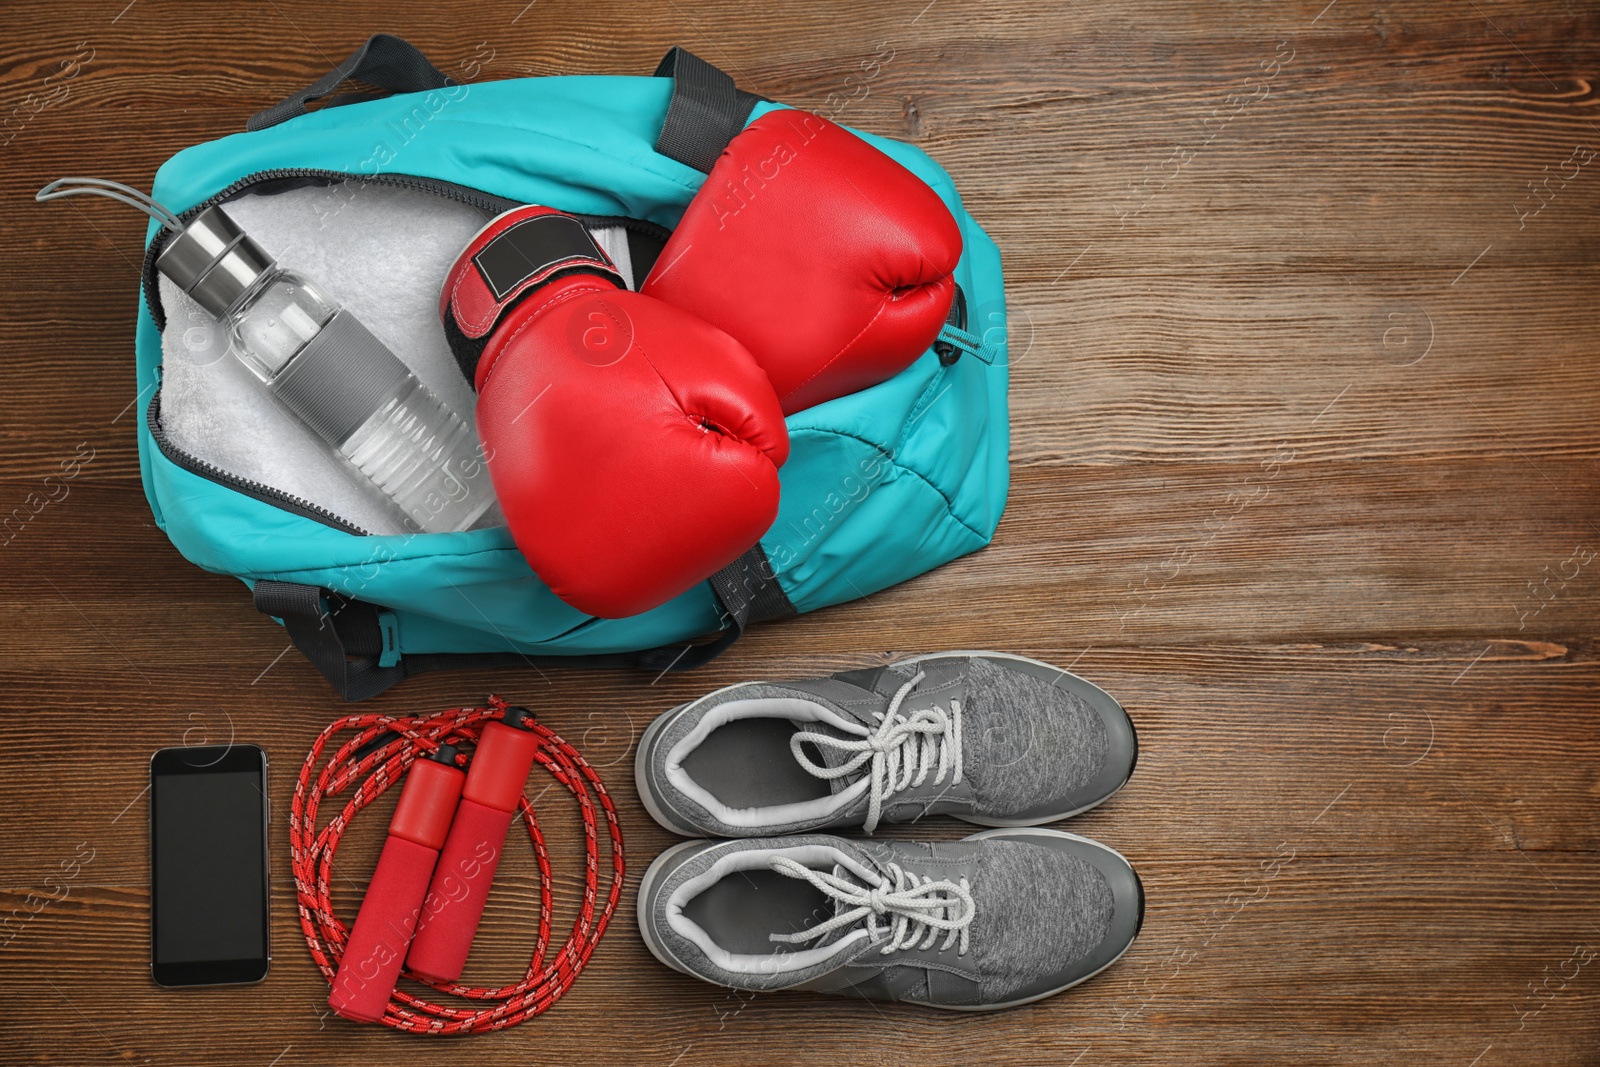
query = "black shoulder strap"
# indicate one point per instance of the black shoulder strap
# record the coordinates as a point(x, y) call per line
point(347, 642)
point(706, 111)
point(385, 61)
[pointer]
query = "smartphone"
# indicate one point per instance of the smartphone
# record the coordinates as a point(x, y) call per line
point(208, 865)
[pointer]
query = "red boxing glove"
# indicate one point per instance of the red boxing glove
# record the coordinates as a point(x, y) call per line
point(634, 447)
point(827, 259)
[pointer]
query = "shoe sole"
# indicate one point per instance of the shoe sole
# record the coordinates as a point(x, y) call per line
point(662, 862)
point(1081, 687)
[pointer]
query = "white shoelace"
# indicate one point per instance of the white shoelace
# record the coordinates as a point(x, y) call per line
point(901, 746)
point(910, 910)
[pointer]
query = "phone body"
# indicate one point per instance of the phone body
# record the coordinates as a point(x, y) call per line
point(208, 866)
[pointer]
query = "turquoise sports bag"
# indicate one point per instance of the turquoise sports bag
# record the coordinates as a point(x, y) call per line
point(880, 485)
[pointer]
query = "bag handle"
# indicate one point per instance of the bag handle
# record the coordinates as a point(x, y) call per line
point(706, 112)
point(385, 61)
point(352, 645)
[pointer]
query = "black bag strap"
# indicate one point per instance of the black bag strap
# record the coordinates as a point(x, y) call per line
point(345, 639)
point(342, 638)
point(749, 592)
point(385, 61)
point(706, 112)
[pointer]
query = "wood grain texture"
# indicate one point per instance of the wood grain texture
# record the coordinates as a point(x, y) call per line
point(1305, 444)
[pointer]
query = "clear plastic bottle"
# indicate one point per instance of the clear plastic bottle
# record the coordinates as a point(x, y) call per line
point(326, 367)
point(407, 443)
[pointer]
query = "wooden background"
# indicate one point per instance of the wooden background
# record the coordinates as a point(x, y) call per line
point(1305, 450)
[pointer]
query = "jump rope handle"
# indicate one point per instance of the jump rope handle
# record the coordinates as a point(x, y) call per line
point(460, 887)
point(388, 917)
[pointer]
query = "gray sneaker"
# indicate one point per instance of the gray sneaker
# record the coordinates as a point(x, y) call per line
point(1001, 918)
point(990, 738)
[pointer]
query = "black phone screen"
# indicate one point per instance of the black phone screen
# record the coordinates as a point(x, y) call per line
point(208, 865)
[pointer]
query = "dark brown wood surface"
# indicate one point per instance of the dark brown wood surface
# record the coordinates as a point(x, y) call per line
point(1305, 471)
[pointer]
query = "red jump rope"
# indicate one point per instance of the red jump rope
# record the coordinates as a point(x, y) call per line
point(460, 887)
point(363, 963)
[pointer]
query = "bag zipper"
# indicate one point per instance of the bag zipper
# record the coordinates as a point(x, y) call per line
point(267, 494)
point(461, 193)
point(152, 297)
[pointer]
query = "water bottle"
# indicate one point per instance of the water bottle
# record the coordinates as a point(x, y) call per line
point(321, 363)
point(328, 369)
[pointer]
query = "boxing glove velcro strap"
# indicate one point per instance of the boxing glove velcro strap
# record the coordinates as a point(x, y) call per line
point(533, 250)
point(515, 255)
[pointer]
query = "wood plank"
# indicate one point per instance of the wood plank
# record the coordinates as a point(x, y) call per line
point(1326, 551)
point(1302, 961)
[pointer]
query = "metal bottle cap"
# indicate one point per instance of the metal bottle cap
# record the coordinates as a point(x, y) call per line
point(214, 261)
